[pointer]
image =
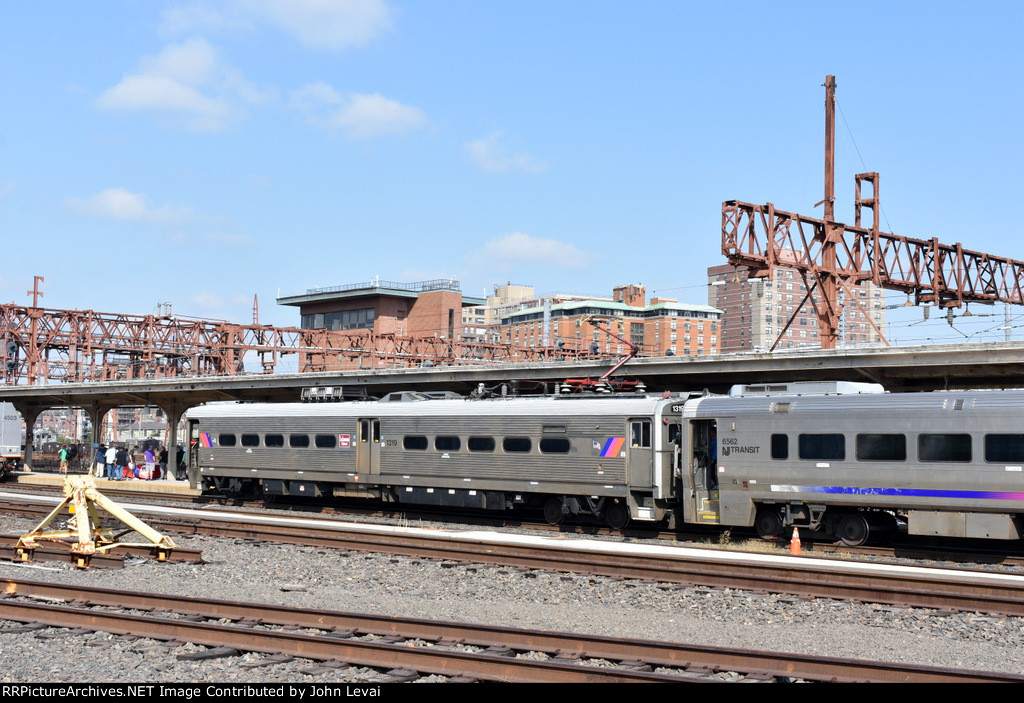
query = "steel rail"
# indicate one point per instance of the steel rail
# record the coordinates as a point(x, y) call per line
point(795, 579)
point(376, 654)
point(784, 576)
point(921, 551)
point(566, 646)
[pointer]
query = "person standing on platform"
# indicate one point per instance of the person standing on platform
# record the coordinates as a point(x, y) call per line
point(111, 460)
point(162, 463)
point(150, 463)
point(62, 455)
point(121, 463)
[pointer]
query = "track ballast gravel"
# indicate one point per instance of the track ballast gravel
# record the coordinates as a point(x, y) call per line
point(311, 578)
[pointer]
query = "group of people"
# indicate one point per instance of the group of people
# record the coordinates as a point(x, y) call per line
point(120, 463)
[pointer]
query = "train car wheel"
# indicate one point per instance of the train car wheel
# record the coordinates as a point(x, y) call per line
point(853, 530)
point(553, 514)
point(768, 524)
point(617, 516)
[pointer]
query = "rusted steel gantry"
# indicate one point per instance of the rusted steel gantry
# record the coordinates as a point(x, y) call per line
point(45, 345)
point(832, 256)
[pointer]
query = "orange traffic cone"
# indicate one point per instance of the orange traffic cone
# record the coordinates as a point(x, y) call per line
point(794, 544)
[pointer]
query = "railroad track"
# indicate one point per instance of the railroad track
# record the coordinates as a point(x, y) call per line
point(917, 550)
point(971, 591)
point(418, 647)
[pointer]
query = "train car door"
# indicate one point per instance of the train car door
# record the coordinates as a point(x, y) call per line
point(368, 446)
point(671, 463)
point(192, 465)
point(640, 469)
point(702, 476)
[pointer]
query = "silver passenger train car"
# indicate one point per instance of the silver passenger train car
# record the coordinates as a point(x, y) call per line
point(611, 457)
point(843, 460)
point(946, 463)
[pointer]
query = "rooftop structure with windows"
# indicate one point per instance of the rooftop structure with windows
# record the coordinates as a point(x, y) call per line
point(422, 308)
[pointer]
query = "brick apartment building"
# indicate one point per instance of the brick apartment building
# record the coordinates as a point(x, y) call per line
point(755, 311)
point(512, 316)
point(663, 326)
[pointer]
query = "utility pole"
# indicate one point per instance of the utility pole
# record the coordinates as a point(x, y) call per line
point(827, 314)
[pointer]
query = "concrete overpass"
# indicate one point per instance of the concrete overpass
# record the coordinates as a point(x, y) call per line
point(933, 367)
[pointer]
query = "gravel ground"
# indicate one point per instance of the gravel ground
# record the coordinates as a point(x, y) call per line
point(307, 577)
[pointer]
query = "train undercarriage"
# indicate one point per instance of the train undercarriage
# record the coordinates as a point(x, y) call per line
point(614, 512)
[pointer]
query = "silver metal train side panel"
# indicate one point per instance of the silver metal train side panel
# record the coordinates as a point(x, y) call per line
point(970, 525)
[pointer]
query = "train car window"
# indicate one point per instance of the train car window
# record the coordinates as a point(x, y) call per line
point(273, 440)
point(516, 444)
point(480, 444)
point(780, 446)
point(822, 447)
point(675, 433)
point(227, 440)
point(447, 443)
point(554, 445)
point(1004, 448)
point(554, 429)
point(417, 442)
point(250, 440)
point(881, 447)
point(298, 440)
point(325, 441)
point(640, 433)
point(944, 447)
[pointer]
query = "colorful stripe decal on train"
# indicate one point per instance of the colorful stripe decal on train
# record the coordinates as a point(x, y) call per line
point(204, 439)
point(612, 446)
point(904, 492)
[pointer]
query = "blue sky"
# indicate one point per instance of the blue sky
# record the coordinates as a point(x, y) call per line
point(201, 153)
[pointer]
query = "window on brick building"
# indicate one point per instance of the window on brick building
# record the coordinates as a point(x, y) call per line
point(342, 320)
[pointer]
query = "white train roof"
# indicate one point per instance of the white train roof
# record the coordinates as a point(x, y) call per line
point(544, 405)
point(886, 404)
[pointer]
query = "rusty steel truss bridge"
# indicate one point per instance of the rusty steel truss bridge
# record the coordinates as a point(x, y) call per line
point(42, 346)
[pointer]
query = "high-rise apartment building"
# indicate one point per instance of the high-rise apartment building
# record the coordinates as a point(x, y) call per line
point(755, 311)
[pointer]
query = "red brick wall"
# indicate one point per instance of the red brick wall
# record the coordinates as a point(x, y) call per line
point(430, 315)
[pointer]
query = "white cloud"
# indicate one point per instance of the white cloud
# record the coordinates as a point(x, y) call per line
point(518, 248)
point(122, 204)
point(358, 115)
point(206, 300)
point(186, 85)
point(212, 305)
point(329, 24)
point(203, 16)
point(218, 237)
point(319, 24)
point(491, 156)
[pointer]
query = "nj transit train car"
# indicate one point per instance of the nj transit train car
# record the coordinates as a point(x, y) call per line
point(610, 457)
point(946, 463)
point(10, 438)
point(832, 458)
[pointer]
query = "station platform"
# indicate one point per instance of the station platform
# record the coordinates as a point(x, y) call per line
point(161, 485)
